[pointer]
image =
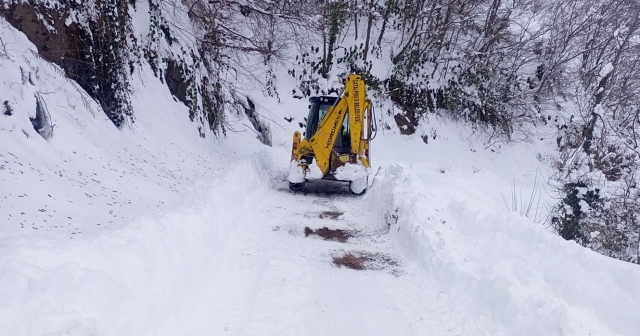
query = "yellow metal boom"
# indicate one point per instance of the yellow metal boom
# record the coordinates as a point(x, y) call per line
point(357, 106)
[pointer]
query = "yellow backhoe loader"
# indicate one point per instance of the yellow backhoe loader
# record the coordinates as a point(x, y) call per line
point(336, 140)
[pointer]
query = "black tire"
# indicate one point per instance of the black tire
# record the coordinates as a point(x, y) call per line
point(296, 186)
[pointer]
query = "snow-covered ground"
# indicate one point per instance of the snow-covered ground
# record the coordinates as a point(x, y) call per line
point(152, 230)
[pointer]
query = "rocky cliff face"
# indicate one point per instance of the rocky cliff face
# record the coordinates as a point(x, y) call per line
point(92, 44)
point(101, 44)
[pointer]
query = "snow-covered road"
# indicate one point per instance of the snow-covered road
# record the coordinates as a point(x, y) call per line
point(436, 264)
point(231, 257)
point(276, 281)
point(234, 257)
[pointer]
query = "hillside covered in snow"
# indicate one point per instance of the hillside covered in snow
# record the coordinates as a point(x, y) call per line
point(144, 148)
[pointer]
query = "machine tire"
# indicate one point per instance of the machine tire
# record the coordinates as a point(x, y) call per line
point(296, 186)
point(359, 192)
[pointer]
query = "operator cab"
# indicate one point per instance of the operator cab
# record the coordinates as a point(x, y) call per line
point(318, 108)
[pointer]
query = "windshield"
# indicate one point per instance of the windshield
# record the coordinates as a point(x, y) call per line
point(317, 112)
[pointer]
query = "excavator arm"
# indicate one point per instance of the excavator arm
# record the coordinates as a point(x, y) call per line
point(325, 137)
point(354, 103)
point(357, 107)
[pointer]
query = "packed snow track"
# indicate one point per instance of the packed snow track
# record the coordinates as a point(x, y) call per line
point(278, 280)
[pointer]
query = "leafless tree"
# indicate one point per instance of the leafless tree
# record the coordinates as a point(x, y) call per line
point(595, 45)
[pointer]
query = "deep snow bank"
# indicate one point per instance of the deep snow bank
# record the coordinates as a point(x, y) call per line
point(153, 277)
point(106, 231)
point(507, 271)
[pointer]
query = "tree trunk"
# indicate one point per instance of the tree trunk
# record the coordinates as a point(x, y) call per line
point(368, 37)
point(385, 19)
point(355, 22)
point(324, 70)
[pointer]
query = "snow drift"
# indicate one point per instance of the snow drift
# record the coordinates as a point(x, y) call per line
point(508, 273)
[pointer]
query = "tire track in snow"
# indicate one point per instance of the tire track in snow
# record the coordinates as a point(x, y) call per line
point(298, 290)
point(275, 281)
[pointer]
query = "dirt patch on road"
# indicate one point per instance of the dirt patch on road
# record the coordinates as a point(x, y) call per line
point(349, 260)
point(331, 214)
point(359, 260)
point(329, 234)
point(328, 214)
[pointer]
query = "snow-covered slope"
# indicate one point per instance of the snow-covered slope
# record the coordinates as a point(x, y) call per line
point(89, 169)
point(152, 230)
point(76, 255)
